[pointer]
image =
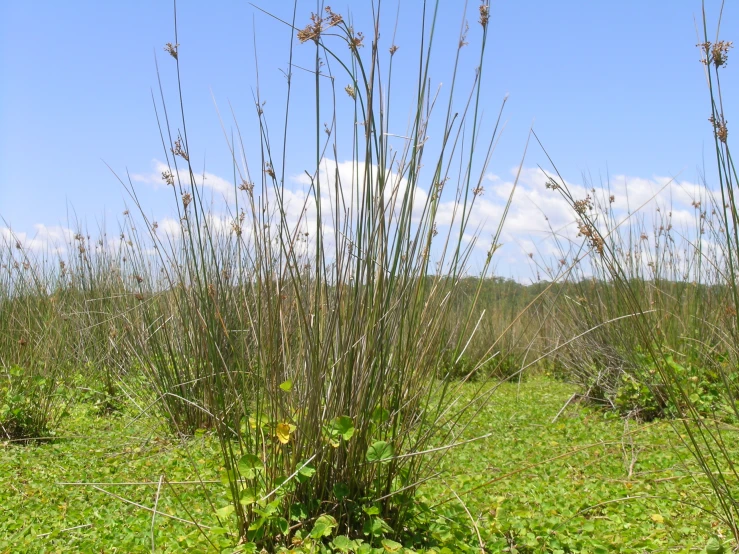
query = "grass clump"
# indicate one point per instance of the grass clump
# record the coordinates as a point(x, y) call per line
point(311, 345)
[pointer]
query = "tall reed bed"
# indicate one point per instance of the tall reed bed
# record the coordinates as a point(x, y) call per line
point(60, 309)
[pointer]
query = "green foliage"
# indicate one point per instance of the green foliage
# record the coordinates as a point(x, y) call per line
point(564, 486)
point(28, 404)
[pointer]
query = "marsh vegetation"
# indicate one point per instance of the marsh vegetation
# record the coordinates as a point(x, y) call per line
point(249, 379)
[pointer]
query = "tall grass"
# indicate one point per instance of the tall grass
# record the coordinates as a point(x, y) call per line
point(29, 336)
point(676, 352)
point(311, 343)
point(63, 310)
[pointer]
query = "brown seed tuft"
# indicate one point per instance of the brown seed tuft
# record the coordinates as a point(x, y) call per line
point(171, 49)
point(178, 150)
point(313, 30)
point(167, 177)
point(720, 128)
point(720, 52)
point(355, 41)
point(581, 206)
point(484, 13)
point(246, 186)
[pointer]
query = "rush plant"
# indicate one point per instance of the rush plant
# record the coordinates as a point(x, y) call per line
point(311, 339)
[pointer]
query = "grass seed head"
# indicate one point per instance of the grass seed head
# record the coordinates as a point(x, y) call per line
point(171, 49)
point(355, 41)
point(582, 206)
point(246, 186)
point(484, 13)
point(313, 30)
point(720, 52)
point(167, 177)
point(178, 150)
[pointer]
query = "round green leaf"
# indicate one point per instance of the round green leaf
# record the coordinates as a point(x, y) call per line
point(379, 451)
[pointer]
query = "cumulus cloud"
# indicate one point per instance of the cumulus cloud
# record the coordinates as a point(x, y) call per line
point(43, 238)
point(221, 188)
point(540, 220)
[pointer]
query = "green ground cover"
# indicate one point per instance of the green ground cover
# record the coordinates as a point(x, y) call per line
point(587, 482)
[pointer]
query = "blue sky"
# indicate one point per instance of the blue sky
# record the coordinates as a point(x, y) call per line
point(613, 88)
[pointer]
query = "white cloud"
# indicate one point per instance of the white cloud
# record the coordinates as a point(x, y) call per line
point(537, 217)
point(43, 238)
point(222, 188)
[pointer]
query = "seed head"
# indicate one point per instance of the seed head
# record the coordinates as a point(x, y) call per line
point(355, 41)
point(171, 49)
point(586, 230)
point(484, 13)
point(393, 49)
point(720, 128)
point(581, 206)
point(350, 91)
point(168, 178)
point(463, 38)
point(551, 184)
point(246, 186)
point(716, 53)
point(720, 51)
point(313, 30)
point(178, 150)
point(186, 199)
point(332, 18)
